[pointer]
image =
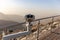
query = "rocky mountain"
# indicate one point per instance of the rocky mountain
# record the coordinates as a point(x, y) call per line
point(8, 20)
point(15, 18)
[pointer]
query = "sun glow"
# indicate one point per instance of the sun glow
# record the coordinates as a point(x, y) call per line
point(10, 6)
point(3, 5)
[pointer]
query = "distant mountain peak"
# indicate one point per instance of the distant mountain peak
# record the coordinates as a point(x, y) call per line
point(1, 13)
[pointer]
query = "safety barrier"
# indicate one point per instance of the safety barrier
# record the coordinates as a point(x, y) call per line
point(39, 33)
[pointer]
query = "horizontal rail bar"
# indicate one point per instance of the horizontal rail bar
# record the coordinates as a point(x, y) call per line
point(15, 35)
point(47, 17)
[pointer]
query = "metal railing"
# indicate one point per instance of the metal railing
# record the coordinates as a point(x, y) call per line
point(41, 30)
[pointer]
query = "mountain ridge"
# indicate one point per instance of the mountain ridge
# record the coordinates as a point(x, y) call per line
point(16, 18)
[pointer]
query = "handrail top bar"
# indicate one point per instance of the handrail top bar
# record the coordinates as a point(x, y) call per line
point(46, 17)
point(15, 34)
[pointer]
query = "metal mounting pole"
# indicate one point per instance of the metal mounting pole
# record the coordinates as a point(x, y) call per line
point(29, 29)
point(38, 30)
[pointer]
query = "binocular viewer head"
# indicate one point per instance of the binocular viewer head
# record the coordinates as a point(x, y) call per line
point(29, 18)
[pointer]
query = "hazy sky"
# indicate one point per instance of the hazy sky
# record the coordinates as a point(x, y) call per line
point(37, 7)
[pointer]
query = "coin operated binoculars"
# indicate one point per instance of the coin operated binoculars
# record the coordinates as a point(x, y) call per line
point(29, 18)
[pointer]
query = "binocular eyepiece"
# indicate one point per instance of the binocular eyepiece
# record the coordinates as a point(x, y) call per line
point(29, 17)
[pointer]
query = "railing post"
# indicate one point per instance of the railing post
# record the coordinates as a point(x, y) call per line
point(52, 19)
point(38, 30)
point(29, 29)
point(52, 23)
